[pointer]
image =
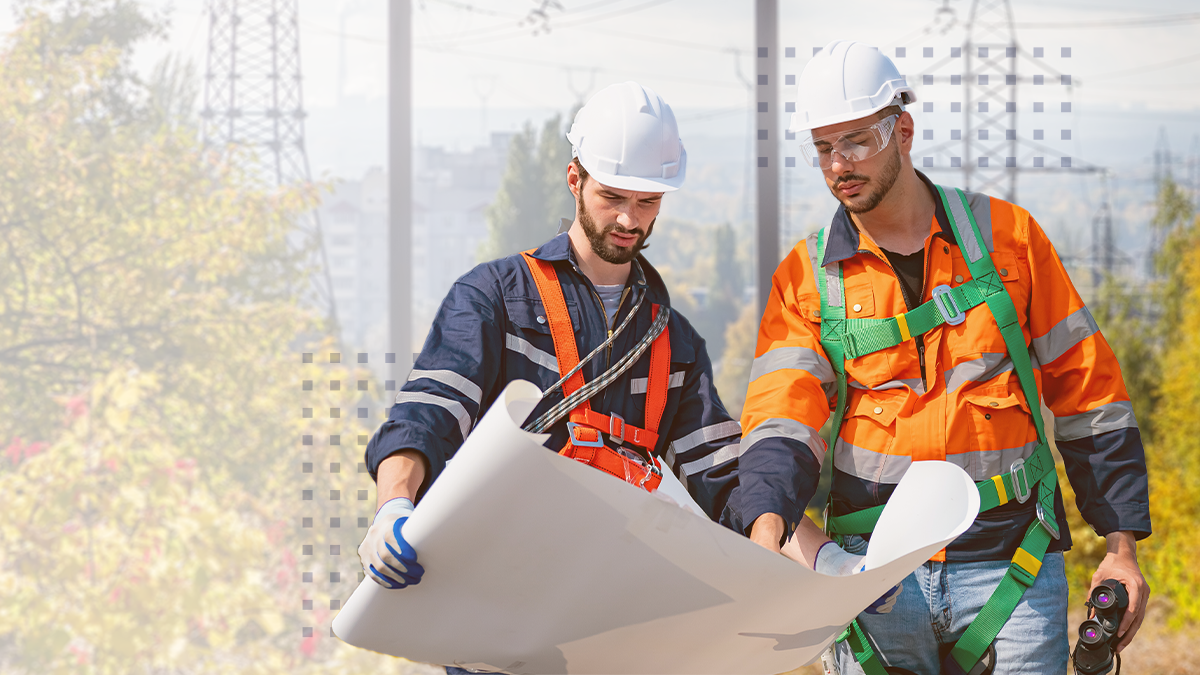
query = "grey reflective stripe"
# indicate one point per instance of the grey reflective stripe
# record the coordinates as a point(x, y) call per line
point(1108, 417)
point(455, 408)
point(707, 434)
point(981, 207)
point(966, 236)
point(451, 379)
point(639, 385)
point(833, 284)
point(983, 464)
point(1077, 327)
point(982, 369)
point(913, 383)
point(522, 346)
point(811, 243)
point(793, 358)
point(731, 451)
point(778, 427)
point(868, 464)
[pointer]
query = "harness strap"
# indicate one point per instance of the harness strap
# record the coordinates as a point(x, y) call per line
point(585, 441)
point(843, 338)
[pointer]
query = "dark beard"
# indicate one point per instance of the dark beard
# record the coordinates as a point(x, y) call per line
point(887, 178)
point(599, 238)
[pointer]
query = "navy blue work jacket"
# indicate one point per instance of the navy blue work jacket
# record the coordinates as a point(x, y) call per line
point(492, 329)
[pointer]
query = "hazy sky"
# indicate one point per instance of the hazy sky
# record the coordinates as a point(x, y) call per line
point(1125, 54)
point(686, 48)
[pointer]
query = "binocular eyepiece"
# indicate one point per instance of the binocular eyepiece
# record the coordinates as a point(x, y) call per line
point(1098, 635)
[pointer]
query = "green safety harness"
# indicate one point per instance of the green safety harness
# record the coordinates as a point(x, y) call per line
point(844, 338)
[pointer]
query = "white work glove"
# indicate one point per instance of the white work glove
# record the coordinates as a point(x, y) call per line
point(386, 557)
point(836, 562)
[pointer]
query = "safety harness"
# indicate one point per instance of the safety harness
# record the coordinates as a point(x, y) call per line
point(844, 338)
point(585, 440)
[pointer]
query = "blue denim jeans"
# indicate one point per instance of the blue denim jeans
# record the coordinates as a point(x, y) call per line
point(939, 600)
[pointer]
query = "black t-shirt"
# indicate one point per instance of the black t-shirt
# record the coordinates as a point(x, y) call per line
point(910, 270)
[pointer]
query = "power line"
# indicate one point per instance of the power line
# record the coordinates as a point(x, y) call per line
point(1164, 20)
point(558, 65)
point(520, 31)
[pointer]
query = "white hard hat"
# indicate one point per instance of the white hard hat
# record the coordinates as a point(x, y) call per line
point(626, 137)
point(846, 81)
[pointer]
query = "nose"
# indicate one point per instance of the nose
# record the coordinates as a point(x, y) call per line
point(627, 216)
point(839, 164)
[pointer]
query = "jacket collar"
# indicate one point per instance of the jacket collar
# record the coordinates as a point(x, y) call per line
point(843, 240)
point(642, 275)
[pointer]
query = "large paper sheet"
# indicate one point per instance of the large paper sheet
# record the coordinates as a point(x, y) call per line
point(539, 564)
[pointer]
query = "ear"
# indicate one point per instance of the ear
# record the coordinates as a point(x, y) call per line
point(905, 130)
point(573, 179)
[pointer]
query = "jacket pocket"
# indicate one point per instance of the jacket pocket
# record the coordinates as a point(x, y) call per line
point(870, 426)
point(998, 418)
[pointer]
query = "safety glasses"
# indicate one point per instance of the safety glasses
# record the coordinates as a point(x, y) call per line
point(855, 145)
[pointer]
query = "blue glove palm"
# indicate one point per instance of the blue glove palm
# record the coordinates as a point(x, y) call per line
point(387, 558)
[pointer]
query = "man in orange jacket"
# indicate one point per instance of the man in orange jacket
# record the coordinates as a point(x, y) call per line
point(931, 376)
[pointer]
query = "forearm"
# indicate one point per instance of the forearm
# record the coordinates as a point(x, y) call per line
point(805, 542)
point(400, 475)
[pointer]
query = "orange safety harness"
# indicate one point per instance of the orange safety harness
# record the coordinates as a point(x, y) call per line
point(585, 442)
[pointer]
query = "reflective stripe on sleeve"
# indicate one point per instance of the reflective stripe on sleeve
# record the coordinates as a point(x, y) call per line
point(793, 358)
point(982, 369)
point(731, 451)
point(1077, 327)
point(639, 385)
point(455, 408)
point(778, 427)
point(522, 346)
point(707, 434)
point(451, 379)
point(1108, 417)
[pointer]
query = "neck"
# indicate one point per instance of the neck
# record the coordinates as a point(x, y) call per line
point(598, 271)
point(901, 222)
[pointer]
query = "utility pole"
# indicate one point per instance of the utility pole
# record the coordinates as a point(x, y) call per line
point(400, 186)
point(253, 99)
point(766, 29)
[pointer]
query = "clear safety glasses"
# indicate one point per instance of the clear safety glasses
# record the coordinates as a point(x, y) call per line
point(854, 145)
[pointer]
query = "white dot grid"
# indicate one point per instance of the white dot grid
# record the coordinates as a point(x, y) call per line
point(343, 405)
point(1044, 103)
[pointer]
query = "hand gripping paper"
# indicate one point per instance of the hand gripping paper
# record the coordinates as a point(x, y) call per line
point(539, 564)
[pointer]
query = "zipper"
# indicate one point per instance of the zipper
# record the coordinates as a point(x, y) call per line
point(919, 339)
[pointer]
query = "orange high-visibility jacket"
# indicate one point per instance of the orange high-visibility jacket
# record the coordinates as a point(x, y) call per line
point(965, 406)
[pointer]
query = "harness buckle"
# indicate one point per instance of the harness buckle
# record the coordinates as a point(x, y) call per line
point(1047, 520)
point(946, 305)
point(575, 440)
point(1020, 480)
point(616, 428)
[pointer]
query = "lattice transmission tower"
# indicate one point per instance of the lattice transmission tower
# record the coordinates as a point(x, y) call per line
point(991, 153)
point(253, 99)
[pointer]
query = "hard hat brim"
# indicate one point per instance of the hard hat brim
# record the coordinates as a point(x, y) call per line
point(639, 183)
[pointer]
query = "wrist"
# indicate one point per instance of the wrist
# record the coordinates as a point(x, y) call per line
point(836, 561)
point(1121, 544)
point(401, 506)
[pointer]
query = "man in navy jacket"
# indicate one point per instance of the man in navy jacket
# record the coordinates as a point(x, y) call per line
point(493, 328)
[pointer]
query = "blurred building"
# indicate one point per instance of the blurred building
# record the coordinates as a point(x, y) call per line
point(451, 192)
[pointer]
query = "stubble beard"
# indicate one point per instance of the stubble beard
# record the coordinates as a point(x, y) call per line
point(598, 238)
point(882, 185)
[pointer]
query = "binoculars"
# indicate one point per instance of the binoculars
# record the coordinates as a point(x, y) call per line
point(1098, 635)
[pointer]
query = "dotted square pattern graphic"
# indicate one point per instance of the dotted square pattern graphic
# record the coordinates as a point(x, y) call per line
point(342, 403)
point(952, 107)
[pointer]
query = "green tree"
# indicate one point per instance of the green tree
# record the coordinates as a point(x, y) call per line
point(150, 380)
point(533, 192)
